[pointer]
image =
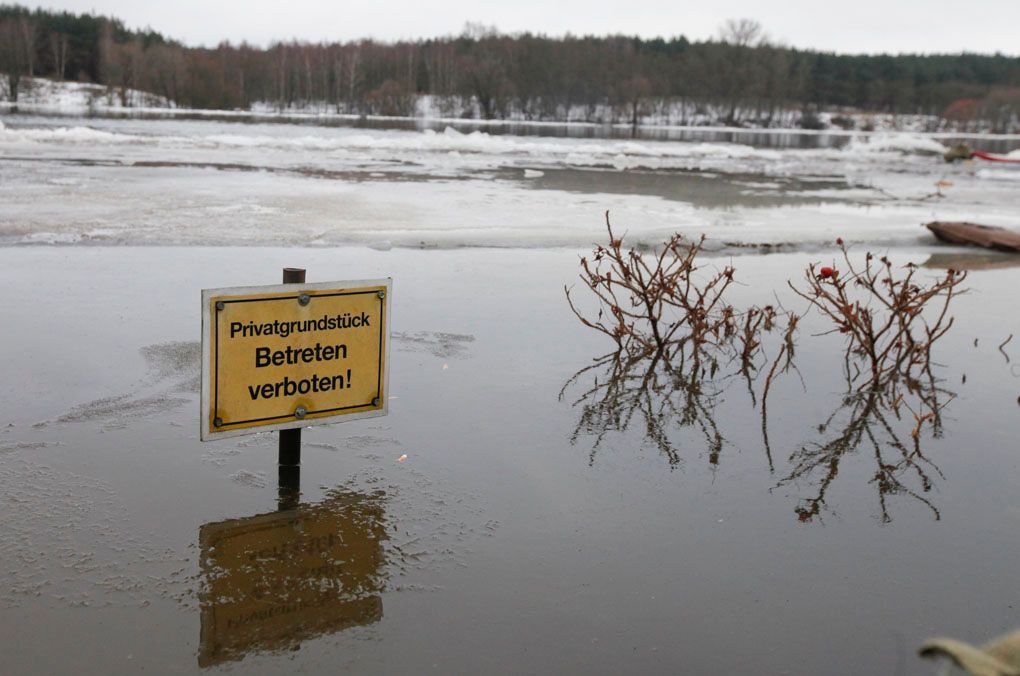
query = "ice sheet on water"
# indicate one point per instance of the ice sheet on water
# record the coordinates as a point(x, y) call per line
point(67, 543)
point(172, 379)
point(158, 182)
point(897, 143)
point(993, 174)
point(427, 141)
point(439, 344)
point(66, 135)
point(452, 140)
point(250, 479)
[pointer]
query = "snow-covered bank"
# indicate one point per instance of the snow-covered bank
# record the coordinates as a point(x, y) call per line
point(39, 95)
point(44, 95)
point(665, 113)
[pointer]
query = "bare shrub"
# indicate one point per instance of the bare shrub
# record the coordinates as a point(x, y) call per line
point(891, 320)
point(666, 301)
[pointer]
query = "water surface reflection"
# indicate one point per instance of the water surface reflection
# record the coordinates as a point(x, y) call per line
point(661, 397)
point(887, 426)
point(661, 401)
point(274, 580)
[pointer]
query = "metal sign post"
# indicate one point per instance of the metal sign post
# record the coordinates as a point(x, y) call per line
point(289, 469)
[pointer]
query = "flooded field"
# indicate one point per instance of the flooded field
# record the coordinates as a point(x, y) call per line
point(511, 514)
point(102, 181)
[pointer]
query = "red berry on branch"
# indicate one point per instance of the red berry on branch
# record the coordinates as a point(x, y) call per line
point(826, 272)
point(839, 241)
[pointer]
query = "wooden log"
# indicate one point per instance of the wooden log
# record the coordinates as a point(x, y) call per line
point(988, 236)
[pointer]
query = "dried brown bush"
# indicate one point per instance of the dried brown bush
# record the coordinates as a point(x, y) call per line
point(891, 320)
point(640, 296)
point(667, 302)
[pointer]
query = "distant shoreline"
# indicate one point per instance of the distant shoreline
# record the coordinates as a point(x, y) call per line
point(148, 112)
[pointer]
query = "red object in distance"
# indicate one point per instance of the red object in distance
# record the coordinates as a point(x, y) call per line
point(994, 158)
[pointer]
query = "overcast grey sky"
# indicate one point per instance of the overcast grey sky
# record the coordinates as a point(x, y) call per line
point(843, 26)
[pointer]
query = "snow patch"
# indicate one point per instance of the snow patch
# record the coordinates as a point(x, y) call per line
point(907, 144)
point(36, 93)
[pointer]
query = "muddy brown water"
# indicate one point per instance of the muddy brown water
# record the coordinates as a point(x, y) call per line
point(523, 533)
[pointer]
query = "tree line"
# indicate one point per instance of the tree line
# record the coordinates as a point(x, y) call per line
point(739, 78)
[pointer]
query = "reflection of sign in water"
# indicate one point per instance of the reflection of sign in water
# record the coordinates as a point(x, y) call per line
point(276, 579)
point(276, 357)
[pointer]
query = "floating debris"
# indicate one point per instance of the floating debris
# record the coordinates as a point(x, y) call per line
point(988, 236)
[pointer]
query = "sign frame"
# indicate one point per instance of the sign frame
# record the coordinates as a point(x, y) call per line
point(207, 433)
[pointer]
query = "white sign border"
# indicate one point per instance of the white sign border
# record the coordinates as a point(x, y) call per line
point(206, 434)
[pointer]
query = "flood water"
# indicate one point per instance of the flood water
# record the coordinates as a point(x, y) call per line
point(510, 539)
point(523, 508)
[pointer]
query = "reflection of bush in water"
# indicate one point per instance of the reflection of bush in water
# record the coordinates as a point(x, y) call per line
point(873, 422)
point(652, 397)
point(660, 396)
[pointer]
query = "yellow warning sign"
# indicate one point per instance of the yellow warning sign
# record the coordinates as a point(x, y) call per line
point(281, 356)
